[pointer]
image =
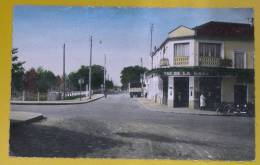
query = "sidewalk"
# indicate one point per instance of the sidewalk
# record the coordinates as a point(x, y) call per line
point(24, 117)
point(150, 105)
point(59, 102)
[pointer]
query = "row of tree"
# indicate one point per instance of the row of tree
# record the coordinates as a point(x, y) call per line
point(42, 80)
point(97, 74)
point(131, 74)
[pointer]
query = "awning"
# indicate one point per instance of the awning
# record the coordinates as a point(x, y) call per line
point(203, 71)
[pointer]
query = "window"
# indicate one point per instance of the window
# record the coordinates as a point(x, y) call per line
point(209, 50)
point(239, 59)
point(181, 49)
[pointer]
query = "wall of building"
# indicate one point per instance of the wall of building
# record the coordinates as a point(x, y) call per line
point(194, 91)
point(182, 31)
point(155, 89)
point(169, 54)
point(227, 89)
point(246, 46)
point(170, 91)
point(251, 92)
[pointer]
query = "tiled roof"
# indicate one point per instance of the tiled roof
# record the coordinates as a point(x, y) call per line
point(219, 31)
point(225, 30)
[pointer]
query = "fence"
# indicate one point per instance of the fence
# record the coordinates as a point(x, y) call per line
point(50, 96)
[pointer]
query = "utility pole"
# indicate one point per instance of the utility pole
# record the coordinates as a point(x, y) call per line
point(141, 76)
point(151, 44)
point(64, 79)
point(90, 63)
point(104, 75)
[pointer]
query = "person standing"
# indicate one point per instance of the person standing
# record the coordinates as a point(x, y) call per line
point(202, 102)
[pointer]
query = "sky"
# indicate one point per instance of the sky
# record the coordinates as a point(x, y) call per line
point(123, 34)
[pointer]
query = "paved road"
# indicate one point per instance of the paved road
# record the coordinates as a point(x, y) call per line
point(120, 127)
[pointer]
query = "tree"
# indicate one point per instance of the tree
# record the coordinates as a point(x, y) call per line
point(109, 84)
point(30, 80)
point(131, 74)
point(83, 72)
point(17, 71)
point(46, 80)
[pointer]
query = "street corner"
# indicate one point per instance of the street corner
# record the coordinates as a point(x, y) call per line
point(20, 118)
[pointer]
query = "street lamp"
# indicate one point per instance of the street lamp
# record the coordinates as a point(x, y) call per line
point(80, 81)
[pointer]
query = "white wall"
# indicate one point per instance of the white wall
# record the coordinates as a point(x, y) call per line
point(170, 91)
point(155, 89)
point(169, 53)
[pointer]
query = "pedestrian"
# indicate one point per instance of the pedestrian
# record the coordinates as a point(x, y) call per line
point(202, 102)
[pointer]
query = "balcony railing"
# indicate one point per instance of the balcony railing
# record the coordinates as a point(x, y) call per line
point(209, 61)
point(164, 62)
point(226, 63)
point(181, 60)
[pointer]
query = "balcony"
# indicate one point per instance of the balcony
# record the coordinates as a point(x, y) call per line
point(164, 62)
point(181, 60)
point(209, 61)
point(226, 63)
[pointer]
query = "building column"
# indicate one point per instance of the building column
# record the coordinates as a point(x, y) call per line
point(194, 88)
point(170, 92)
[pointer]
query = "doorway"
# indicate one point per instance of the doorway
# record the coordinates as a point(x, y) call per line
point(181, 92)
point(211, 89)
point(240, 94)
point(165, 90)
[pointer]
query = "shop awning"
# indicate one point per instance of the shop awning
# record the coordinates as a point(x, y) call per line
point(203, 71)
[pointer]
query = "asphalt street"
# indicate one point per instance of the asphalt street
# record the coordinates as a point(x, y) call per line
point(121, 127)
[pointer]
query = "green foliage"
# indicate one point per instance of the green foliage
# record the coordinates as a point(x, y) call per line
point(46, 80)
point(109, 84)
point(30, 80)
point(17, 71)
point(131, 74)
point(83, 72)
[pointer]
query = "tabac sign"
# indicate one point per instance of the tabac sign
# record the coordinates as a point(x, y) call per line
point(185, 73)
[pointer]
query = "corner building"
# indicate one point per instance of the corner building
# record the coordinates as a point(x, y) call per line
point(215, 58)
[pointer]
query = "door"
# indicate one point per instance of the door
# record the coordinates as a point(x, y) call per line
point(240, 94)
point(181, 92)
point(165, 90)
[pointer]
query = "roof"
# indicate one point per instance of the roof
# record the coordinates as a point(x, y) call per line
point(179, 27)
point(219, 30)
point(227, 30)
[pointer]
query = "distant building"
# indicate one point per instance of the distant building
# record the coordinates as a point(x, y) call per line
point(215, 58)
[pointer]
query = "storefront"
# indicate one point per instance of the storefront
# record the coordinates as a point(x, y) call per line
point(182, 87)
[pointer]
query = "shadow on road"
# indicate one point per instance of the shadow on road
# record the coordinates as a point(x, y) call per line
point(159, 138)
point(45, 141)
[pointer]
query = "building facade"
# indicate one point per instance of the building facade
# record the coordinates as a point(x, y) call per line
point(215, 59)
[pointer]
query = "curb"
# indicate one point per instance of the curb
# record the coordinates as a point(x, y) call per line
point(53, 103)
point(177, 112)
point(16, 121)
point(201, 114)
